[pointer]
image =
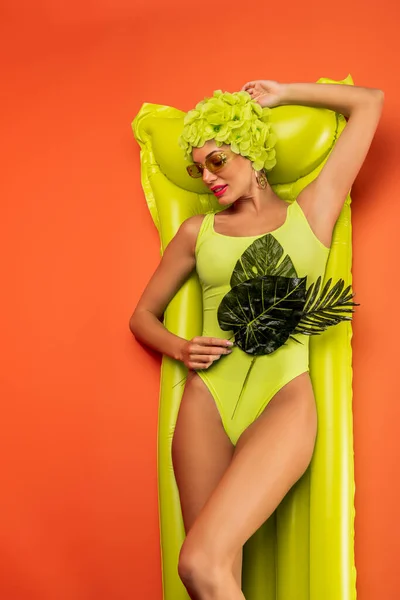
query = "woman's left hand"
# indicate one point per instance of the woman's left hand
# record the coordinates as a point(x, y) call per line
point(264, 91)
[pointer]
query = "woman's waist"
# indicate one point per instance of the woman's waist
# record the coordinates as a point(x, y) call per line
point(253, 342)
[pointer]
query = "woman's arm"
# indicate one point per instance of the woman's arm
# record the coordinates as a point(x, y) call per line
point(341, 98)
point(177, 262)
point(322, 200)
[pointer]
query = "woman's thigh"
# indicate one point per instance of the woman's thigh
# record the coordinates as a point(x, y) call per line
point(201, 449)
point(270, 456)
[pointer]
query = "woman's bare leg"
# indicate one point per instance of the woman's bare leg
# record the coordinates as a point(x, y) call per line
point(270, 456)
point(201, 453)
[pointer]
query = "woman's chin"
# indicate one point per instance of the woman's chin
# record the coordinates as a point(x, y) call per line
point(225, 199)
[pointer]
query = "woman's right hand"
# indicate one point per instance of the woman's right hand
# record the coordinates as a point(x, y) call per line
point(266, 92)
point(200, 352)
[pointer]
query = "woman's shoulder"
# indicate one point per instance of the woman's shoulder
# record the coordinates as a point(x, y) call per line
point(189, 229)
point(191, 225)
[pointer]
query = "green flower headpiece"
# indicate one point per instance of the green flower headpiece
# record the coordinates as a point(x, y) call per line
point(233, 119)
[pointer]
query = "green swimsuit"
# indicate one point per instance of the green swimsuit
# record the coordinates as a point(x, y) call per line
point(241, 385)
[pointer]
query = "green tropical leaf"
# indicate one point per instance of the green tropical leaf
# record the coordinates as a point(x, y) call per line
point(262, 257)
point(263, 312)
point(324, 310)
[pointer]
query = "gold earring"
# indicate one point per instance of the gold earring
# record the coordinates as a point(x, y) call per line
point(261, 179)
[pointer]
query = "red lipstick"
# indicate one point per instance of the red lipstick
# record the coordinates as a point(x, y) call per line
point(219, 190)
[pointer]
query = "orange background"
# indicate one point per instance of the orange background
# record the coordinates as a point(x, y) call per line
point(78, 502)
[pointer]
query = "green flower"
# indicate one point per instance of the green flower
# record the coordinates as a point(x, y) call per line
point(232, 119)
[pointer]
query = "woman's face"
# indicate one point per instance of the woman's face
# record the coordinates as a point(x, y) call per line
point(236, 177)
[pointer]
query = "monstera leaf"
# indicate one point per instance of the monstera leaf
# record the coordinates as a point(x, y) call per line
point(262, 257)
point(263, 312)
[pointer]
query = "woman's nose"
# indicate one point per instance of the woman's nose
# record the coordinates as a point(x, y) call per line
point(207, 176)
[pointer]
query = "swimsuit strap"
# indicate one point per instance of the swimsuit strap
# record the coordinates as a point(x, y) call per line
point(205, 229)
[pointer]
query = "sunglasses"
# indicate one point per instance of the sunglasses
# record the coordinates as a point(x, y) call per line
point(214, 163)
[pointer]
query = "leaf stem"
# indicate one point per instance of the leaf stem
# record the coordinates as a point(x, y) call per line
point(244, 385)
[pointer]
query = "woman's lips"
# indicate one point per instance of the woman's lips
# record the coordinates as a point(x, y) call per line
point(218, 192)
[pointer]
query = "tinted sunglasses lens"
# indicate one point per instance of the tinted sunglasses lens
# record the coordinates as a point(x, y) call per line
point(216, 161)
point(194, 171)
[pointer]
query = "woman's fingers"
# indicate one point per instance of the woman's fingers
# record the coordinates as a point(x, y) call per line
point(204, 358)
point(249, 85)
point(203, 361)
point(200, 352)
point(211, 341)
point(208, 351)
point(205, 350)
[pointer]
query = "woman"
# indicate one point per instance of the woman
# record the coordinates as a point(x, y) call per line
point(247, 421)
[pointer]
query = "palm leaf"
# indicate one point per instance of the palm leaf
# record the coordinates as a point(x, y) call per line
point(324, 310)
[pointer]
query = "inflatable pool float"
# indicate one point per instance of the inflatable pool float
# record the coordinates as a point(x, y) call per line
point(305, 550)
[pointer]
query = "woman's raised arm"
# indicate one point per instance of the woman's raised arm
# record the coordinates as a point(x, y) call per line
point(323, 199)
point(363, 107)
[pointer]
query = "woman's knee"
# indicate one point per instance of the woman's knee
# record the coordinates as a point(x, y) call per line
point(197, 571)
